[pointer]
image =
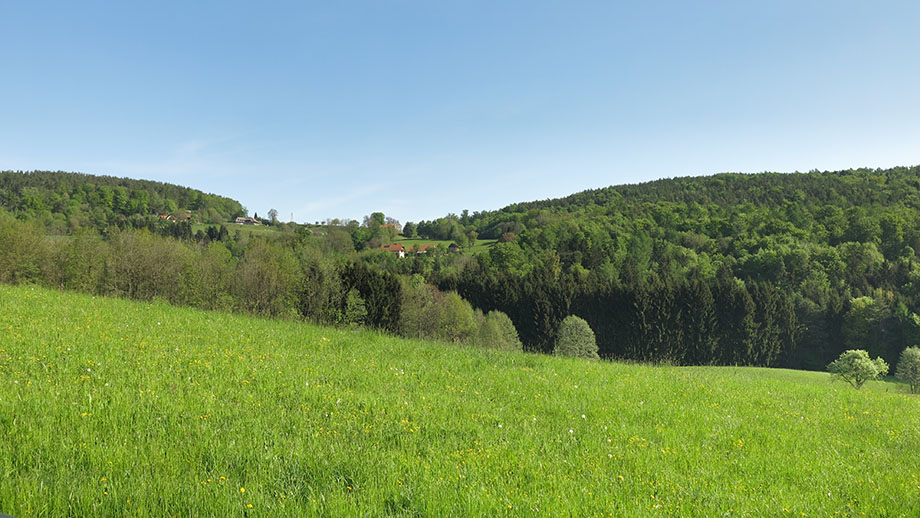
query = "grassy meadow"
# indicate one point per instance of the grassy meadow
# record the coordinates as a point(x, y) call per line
point(254, 230)
point(482, 245)
point(117, 408)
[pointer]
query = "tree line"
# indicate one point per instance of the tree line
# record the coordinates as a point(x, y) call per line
point(291, 275)
point(768, 269)
point(66, 202)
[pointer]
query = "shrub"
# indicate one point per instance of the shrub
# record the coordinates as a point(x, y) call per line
point(355, 309)
point(855, 367)
point(457, 321)
point(496, 331)
point(909, 368)
point(575, 338)
point(22, 251)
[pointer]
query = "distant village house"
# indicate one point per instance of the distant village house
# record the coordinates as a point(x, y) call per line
point(400, 250)
point(247, 221)
point(397, 248)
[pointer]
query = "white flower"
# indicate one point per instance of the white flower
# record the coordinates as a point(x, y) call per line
point(571, 431)
point(583, 416)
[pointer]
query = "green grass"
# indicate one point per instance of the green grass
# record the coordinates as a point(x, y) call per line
point(256, 230)
point(110, 407)
point(482, 245)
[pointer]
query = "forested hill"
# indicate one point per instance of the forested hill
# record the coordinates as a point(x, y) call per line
point(769, 269)
point(66, 201)
point(844, 189)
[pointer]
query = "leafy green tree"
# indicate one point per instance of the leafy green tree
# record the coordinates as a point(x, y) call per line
point(909, 368)
point(496, 331)
point(267, 278)
point(575, 338)
point(22, 249)
point(355, 308)
point(419, 312)
point(509, 257)
point(410, 230)
point(855, 367)
point(457, 321)
point(863, 326)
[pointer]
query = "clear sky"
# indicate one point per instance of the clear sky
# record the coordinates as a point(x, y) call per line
point(420, 108)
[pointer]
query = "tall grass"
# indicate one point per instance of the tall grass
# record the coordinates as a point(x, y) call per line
point(110, 407)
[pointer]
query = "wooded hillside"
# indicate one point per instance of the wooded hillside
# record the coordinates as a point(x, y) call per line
point(768, 269)
point(63, 202)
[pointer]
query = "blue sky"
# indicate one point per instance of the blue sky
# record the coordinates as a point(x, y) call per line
point(417, 109)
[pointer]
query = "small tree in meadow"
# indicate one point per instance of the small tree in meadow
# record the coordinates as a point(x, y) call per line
point(575, 338)
point(855, 367)
point(909, 368)
point(496, 331)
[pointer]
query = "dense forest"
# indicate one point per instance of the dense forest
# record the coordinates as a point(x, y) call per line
point(64, 202)
point(765, 269)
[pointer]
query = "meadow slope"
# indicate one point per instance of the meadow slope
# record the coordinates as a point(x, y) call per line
point(118, 408)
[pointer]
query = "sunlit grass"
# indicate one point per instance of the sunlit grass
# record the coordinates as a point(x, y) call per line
point(110, 407)
point(481, 245)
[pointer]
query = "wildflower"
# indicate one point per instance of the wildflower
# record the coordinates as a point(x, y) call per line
point(242, 490)
point(571, 431)
point(248, 506)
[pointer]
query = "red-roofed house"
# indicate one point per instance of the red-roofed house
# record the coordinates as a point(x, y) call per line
point(396, 248)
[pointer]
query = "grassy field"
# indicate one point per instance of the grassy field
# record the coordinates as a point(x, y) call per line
point(482, 245)
point(110, 407)
point(256, 231)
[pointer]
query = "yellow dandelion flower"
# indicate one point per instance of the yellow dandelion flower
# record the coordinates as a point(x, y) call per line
point(242, 490)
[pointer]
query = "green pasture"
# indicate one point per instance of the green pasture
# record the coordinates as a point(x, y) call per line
point(117, 408)
point(255, 230)
point(482, 245)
